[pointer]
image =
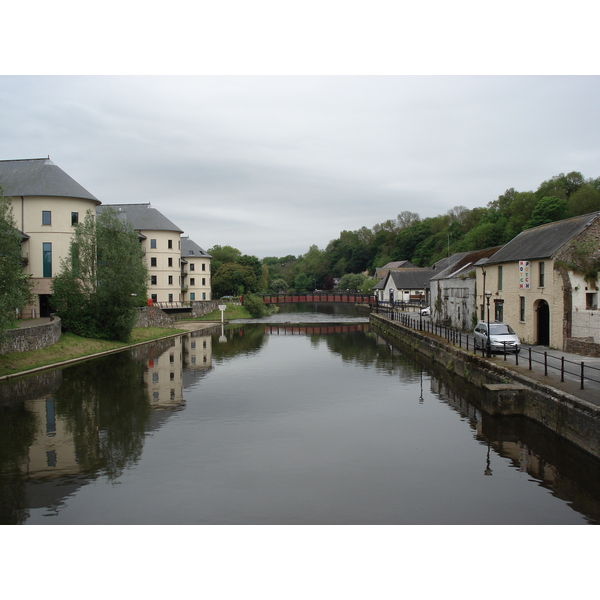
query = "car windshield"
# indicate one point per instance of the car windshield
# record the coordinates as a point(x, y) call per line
point(501, 329)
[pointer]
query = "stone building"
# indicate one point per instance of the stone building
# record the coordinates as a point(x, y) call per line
point(543, 283)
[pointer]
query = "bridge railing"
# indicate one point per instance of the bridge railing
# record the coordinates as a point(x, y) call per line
point(348, 297)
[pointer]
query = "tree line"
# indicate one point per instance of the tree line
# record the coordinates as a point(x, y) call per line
point(354, 256)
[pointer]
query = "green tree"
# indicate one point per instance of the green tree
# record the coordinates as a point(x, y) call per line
point(351, 281)
point(279, 285)
point(15, 285)
point(222, 255)
point(102, 280)
point(548, 210)
point(233, 279)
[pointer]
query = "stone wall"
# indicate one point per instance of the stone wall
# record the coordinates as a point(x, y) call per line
point(203, 307)
point(571, 418)
point(153, 317)
point(585, 346)
point(24, 339)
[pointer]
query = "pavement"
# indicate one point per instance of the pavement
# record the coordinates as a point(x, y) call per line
point(23, 323)
point(572, 369)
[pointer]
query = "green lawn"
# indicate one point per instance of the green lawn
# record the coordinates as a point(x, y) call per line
point(73, 346)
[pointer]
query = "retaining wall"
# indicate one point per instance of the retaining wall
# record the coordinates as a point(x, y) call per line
point(37, 337)
point(502, 391)
point(153, 317)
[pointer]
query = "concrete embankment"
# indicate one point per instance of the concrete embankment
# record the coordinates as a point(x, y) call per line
point(502, 390)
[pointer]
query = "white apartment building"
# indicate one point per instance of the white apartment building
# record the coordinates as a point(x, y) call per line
point(47, 204)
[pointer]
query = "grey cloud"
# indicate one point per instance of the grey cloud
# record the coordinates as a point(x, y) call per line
point(272, 165)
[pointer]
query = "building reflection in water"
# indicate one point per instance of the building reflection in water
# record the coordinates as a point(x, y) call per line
point(73, 433)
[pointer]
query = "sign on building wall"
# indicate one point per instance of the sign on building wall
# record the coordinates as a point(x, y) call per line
point(524, 274)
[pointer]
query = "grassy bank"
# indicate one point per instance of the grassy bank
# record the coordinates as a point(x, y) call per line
point(72, 346)
point(233, 311)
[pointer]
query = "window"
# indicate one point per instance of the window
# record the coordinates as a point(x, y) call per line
point(203, 295)
point(74, 218)
point(591, 301)
point(542, 273)
point(192, 281)
point(47, 259)
point(46, 217)
point(170, 279)
point(522, 309)
point(152, 243)
point(170, 244)
point(170, 297)
point(153, 280)
point(203, 267)
point(51, 458)
point(192, 296)
point(153, 261)
point(500, 277)
point(154, 298)
point(191, 252)
point(154, 377)
point(499, 310)
point(50, 417)
point(170, 262)
point(204, 281)
point(192, 267)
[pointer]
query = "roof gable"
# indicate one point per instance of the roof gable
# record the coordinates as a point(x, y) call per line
point(407, 279)
point(189, 248)
point(39, 177)
point(143, 217)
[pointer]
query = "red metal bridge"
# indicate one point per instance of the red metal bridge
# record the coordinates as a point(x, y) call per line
point(346, 297)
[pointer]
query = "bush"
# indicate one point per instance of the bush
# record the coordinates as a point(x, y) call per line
point(255, 306)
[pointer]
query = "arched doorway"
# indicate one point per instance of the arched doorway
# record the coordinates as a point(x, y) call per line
point(543, 323)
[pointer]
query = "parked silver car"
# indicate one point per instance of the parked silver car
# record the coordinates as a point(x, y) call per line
point(426, 312)
point(501, 336)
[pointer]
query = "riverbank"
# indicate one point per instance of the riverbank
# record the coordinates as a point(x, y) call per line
point(504, 390)
point(73, 348)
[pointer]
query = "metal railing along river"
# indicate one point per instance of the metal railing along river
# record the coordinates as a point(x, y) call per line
point(534, 359)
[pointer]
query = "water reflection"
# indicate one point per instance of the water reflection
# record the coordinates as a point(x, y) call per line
point(258, 428)
point(61, 429)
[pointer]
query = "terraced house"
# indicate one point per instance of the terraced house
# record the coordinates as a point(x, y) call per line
point(47, 204)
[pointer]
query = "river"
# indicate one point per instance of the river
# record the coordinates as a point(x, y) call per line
point(305, 417)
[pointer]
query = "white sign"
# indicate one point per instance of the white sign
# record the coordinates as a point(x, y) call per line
point(524, 275)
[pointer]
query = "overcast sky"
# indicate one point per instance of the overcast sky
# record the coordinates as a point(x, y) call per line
point(274, 164)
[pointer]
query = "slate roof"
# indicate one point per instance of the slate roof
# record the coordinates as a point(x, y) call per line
point(463, 261)
point(190, 248)
point(407, 279)
point(143, 217)
point(39, 177)
point(543, 241)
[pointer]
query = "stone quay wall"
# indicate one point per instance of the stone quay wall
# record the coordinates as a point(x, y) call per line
point(37, 337)
point(501, 391)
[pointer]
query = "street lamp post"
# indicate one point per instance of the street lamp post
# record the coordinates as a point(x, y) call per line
point(488, 295)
